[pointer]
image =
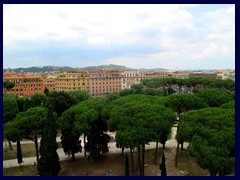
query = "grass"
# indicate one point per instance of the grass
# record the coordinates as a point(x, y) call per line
point(20, 171)
point(28, 150)
point(190, 165)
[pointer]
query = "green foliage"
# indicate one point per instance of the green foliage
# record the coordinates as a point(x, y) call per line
point(46, 91)
point(26, 124)
point(211, 133)
point(110, 97)
point(137, 88)
point(138, 119)
point(192, 83)
point(184, 102)
point(49, 161)
point(38, 100)
point(125, 92)
point(228, 105)
point(84, 118)
point(60, 101)
point(79, 95)
point(8, 84)
point(215, 97)
point(10, 107)
point(23, 104)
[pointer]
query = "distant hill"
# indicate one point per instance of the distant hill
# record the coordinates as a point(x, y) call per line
point(40, 69)
point(107, 67)
point(67, 68)
point(154, 69)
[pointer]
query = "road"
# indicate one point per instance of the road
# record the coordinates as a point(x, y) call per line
point(172, 143)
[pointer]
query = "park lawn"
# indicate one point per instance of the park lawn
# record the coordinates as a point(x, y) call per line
point(28, 150)
point(20, 171)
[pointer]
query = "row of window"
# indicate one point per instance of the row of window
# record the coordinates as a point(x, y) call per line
point(16, 90)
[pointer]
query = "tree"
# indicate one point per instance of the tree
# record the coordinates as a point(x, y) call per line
point(70, 137)
point(215, 97)
point(137, 88)
point(125, 92)
point(228, 105)
point(38, 100)
point(110, 97)
point(138, 123)
point(27, 125)
point(163, 166)
point(23, 104)
point(7, 85)
point(181, 103)
point(60, 101)
point(46, 91)
point(211, 136)
point(49, 162)
point(10, 110)
point(184, 102)
point(79, 95)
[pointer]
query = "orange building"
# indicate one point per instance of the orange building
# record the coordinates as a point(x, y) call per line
point(25, 86)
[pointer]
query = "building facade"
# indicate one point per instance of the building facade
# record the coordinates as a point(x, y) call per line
point(25, 86)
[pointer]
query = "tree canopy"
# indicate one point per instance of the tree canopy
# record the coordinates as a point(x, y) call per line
point(10, 107)
point(138, 120)
point(28, 125)
point(215, 97)
point(211, 134)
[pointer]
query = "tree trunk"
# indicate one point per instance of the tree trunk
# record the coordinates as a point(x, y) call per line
point(85, 159)
point(156, 151)
point(176, 158)
point(182, 146)
point(131, 151)
point(19, 152)
point(126, 165)
point(36, 147)
point(163, 145)
point(139, 162)
point(73, 155)
point(143, 158)
point(122, 150)
point(10, 145)
point(213, 173)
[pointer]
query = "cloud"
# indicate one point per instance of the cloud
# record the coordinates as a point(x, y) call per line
point(139, 34)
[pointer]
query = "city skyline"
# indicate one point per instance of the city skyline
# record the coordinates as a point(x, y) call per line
point(136, 36)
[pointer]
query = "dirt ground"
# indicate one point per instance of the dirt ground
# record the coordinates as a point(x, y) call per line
point(115, 163)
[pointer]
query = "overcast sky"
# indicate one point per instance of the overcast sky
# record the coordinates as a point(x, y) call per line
point(137, 36)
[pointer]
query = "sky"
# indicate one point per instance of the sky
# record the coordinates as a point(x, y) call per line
point(171, 36)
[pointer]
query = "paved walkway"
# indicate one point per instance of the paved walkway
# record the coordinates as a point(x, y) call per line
point(172, 143)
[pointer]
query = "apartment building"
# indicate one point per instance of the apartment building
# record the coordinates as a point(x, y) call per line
point(226, 74)
point(49, 83)
point(71, 81)
point(128, 78)
point(204, 75)
point(103, 82)
point(25, 86)
point(152, 74)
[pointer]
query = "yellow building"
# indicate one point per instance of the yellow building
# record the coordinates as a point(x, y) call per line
point(71, 81)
